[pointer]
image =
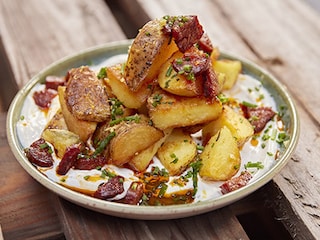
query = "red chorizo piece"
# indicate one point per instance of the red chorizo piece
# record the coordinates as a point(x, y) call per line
point(205, 44)
point(196, 63)
point(185, 30)
point(134, 194)
point(39, 153)
point(68, 159)
point(193, 63)
point(53, 82)
point(88, 163)
point(210, 83)
point(236, 182)
point(44, 98)
point(86, 95)
point(258, 116)
point(110, 189)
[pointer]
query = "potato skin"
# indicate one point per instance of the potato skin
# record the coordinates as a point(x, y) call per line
point(142, 160)
point(130, 139)
point(149, 50)
point(80, 127)
point(86, 96)
point(121, 90)
point(169, 111)
point(220, 157)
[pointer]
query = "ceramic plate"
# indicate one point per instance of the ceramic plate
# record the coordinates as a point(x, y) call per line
point(114, 52)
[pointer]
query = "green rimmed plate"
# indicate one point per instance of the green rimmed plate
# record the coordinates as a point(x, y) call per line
point(112, 52)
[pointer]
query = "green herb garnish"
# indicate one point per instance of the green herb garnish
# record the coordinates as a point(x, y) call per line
point(102, 73)
point(257, 165)
point(247, 104)
point(103, 144)
point(195, 169)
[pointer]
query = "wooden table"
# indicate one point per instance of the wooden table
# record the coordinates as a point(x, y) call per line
point(282, 36)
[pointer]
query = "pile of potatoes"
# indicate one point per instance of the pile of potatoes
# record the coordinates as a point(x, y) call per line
point(169, 111)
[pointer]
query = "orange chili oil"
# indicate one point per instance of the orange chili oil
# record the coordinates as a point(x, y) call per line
point(155, 186)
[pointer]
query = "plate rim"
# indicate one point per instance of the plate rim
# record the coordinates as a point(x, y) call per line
point(147, 212)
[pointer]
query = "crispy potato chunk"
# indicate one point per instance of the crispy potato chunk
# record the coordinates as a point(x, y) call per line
point(240, 127)
point(168, 111)
point(121, 90)
point(57, 121)
point(149, 50)
point(220, 157)
point(231, 69)
point(60, 139)
point(177, 152)
point(86, 96)
point(170, 81)
point(131, 138)
point(80, 127)
point(142, 160)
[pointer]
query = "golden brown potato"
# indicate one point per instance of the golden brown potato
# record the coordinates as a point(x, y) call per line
point(131, 138)
point(177, 152)
point(231, 69)
point(220, 157)
point(57, 121)
point(240, 127)
point(60, 139)
point(149, 50)
point(170, 81)
point(142, 160)
point(168, 111)
point(120, 89)
point(86, 95)
point(80, 127)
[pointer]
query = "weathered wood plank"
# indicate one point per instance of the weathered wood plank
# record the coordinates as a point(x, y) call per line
point(39, 217)
point(37, 33)
point(34, 34)
point(283, 37)
point(220, 224)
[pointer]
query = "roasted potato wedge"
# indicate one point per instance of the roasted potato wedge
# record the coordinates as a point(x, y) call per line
point(240, 127)
point(60, 139)
point(168, 111)
point(121, 90)
point(86, 95)
point(170, 81)
point(231, 69)
point(142, 160)
point(57, 121)
point(149, 50)
point(84, 129)
point(131, 138)
point(177, 152)
point(220, 157)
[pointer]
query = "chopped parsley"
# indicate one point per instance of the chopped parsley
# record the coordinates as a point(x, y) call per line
point(105, 173)
point(135, 118)
point(257, 165)
point(103, 144)
point(102, 73)
point(223, 99)
point(116, 108)
point(248, 104)
point(195, 169)
point(156, 99)
point(174, 157)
